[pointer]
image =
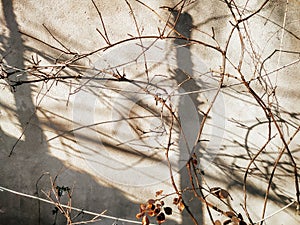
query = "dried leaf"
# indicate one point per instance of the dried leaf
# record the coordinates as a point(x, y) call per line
point(145, 220)
point(219, 192)
point(214, 190)
point(158, 205)
point(168, 210)
point(226, 222)
point(157, 210)
point(242, 222)
point(240, 216)
point(159, 193)
point(151, 213)
point(139, 215)
point(175, 201)
point(218, 222)
point(230, 214)
point(223, 194)
point(150, 206)
point(235, 220)
point(151, 201)
point(181, 206)
point(161, 218)
point(142, 207)
point(195, 162)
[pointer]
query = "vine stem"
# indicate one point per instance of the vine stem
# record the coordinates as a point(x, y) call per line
point(69, 207)
point(278, 211)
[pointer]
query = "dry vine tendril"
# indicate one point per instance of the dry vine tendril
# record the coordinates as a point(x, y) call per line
point(238, 19)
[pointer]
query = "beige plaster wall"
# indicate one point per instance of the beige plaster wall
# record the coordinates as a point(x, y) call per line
point(48, 128)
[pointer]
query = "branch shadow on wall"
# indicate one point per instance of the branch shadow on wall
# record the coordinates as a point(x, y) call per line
point(30, 158)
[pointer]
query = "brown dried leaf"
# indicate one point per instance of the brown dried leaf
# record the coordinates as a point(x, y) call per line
point(157, 210)
point(158, 205)
point(226, 222)
point(142, 207)
point(240, 216)
point(168, 210)
point(218, 222)
point(230, 214)
point(150, 206)
point(181, 206)
point(145, 220)
point(214, 190)
point(139, 215)
point(219, 192)
point(223, 194)
point(235, 220)
point(175, 201)
point(151, 213)
point(242, 222)
point(195, 162)
point(151, 201)
point(161, 218)
point(159, 193)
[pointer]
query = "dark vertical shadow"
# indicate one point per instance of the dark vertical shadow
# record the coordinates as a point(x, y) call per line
point(25, 109)
point(31, 157)
point(25, 112)
point(184, 77)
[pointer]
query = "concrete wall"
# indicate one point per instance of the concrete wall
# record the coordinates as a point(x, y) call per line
point(106, 139)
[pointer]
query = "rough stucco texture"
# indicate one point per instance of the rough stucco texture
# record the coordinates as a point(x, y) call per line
point(117, 165)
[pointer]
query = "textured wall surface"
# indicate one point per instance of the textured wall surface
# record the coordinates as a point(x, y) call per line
point(105, 136)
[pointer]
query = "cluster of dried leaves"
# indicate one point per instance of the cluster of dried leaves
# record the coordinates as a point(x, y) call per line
point(157, 208)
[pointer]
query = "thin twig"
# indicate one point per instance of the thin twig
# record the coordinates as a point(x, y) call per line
point(105, 36)
point(68, 207)
point(58, 40)
point(275, 213)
